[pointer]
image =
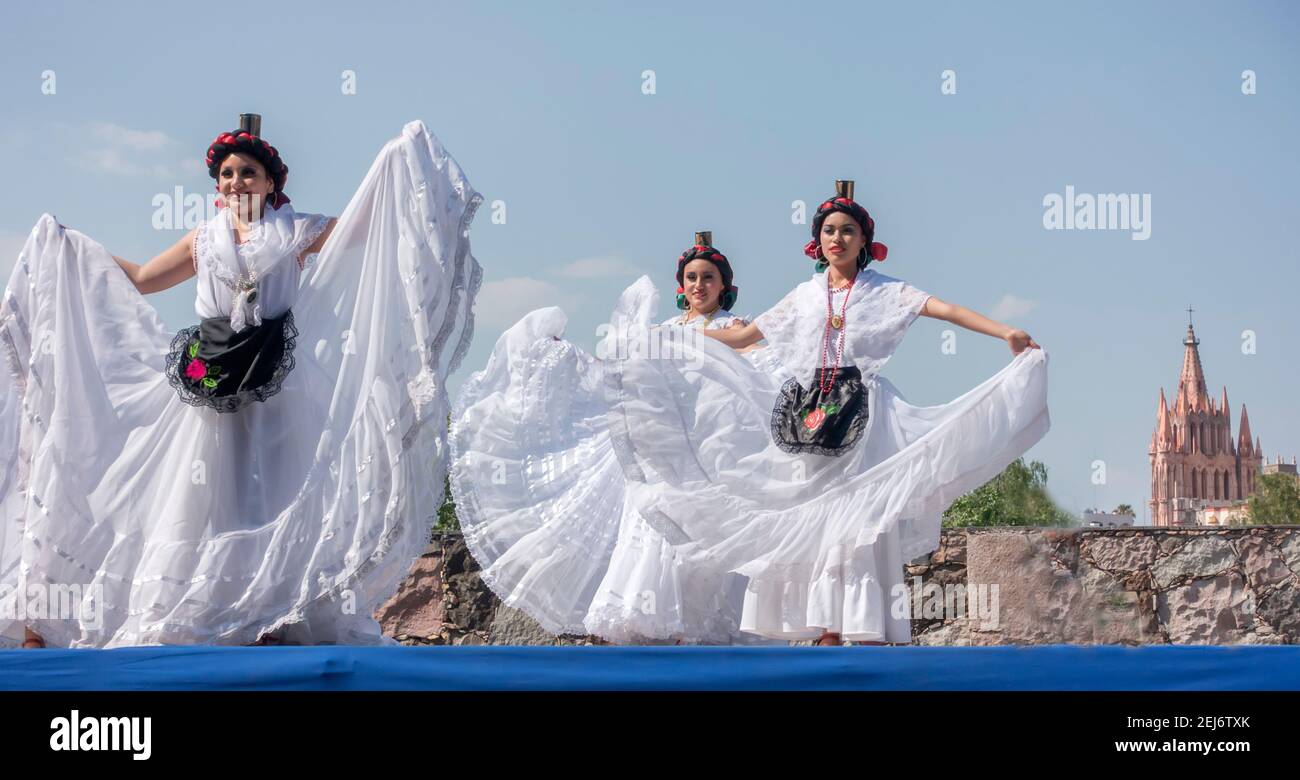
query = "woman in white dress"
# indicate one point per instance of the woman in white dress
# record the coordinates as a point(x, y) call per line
point(540, 492)
point(644, 593)
point(796, 465)
point(268, 474)
point(850, 481)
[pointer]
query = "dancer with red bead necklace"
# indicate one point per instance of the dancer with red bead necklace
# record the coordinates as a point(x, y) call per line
point(874, 473)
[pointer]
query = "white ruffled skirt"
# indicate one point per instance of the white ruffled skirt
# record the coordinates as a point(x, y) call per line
point(541, 498)
point(171, 524)
point(634, 495)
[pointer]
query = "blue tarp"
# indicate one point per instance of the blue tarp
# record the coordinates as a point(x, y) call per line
point(1049, 667)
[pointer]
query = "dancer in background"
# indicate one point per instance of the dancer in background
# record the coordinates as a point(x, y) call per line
point(540, 492)
point(645, 590)
point(268, 474)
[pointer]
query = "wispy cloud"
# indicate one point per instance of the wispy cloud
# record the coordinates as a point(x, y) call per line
point(115, 149)
point(128, 138)
point(502, 303)
point(599, 268)
point(1011, 307)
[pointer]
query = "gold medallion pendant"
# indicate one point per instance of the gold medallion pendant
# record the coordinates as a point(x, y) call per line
point(837, 321)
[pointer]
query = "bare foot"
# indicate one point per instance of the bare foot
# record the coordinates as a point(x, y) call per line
point(829, 640)
point(32, 640)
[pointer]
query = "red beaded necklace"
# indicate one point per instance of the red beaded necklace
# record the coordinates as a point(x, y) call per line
point(814, 419)
point(834, 322)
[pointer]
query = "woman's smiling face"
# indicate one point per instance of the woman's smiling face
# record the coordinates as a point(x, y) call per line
point(702, 283)
point(243, 183)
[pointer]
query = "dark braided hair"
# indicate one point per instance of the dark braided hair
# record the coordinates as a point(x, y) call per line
point(245, 143)
point(700, 252)
point(871, 250)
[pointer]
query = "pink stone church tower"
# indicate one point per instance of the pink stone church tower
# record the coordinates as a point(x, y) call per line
point(1194, 458)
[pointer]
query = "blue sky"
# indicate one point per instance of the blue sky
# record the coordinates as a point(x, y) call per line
point(755, 105)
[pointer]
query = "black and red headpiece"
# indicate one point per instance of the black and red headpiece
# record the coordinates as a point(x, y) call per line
point(247, 140)
point(843, 203)
point(703, 250)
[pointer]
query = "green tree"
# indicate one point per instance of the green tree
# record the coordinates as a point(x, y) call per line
point(447, 520)
point(1124, 509)
point(1276, 500)
point(1017, 496)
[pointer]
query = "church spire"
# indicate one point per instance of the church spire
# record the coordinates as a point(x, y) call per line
point(1161, 435)
point(1244, 444)
point(1191, 382)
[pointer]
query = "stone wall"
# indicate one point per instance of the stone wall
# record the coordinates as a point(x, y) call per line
point(983, 586)
point(444, 602)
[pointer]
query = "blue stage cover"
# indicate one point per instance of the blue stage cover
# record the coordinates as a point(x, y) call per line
point(1051, 667)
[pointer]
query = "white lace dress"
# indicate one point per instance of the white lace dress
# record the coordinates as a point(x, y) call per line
point(541, 495)
point(646, 593)
point(822, 539)
point(299, 514)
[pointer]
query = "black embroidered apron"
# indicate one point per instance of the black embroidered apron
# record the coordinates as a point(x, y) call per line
point(212, 365)
point(830, 423)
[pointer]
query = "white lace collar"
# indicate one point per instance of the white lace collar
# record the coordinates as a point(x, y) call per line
point(864, 277)
point(241, 266)
point(270, 239)
point(702, 320)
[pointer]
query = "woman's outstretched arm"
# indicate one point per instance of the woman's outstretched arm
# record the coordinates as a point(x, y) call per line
point(324, 236)
point(168, 269)
point(1017, 339)
point(736, 338)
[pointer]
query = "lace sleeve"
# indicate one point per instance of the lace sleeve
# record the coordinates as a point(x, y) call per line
point(911, 301)
point(198, 244)
point(778, 323)
point(314, 225)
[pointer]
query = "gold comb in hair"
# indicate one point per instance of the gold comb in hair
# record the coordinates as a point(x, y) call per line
point(704, 238)
point(844, 188)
